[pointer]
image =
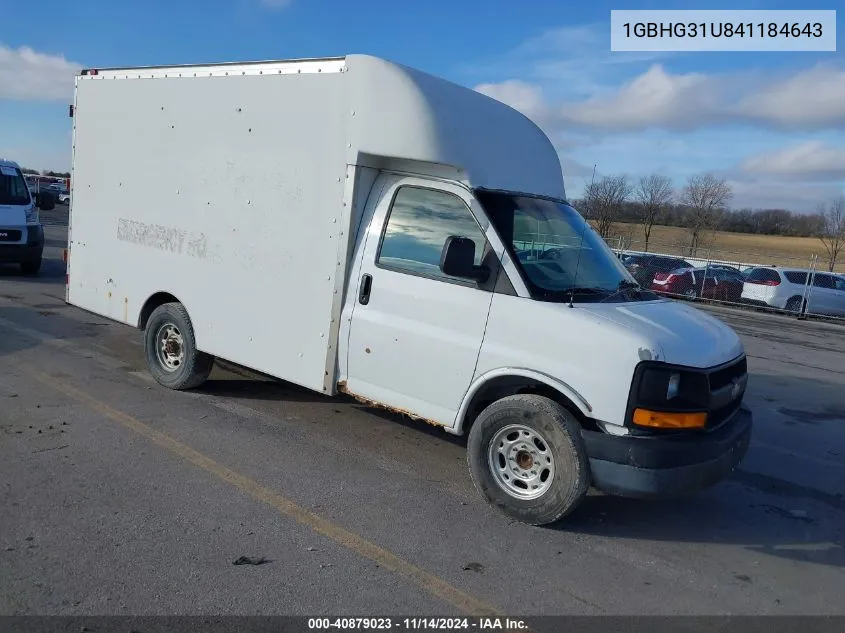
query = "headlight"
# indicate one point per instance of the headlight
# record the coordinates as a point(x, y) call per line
point(668, 397)
point(674, 386)
point(31, 215)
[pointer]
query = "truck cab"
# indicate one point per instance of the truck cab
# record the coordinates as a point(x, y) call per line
point(505, 315)
point(21, 233)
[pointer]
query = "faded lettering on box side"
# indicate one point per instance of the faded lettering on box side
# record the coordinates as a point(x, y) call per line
point(163, 238)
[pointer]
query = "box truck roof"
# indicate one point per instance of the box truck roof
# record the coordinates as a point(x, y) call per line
point(398, 112)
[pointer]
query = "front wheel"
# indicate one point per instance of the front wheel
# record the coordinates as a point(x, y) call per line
point(527, 458)
point(170, 347)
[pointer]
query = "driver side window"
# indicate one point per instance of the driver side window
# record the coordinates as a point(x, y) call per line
point(419, 223)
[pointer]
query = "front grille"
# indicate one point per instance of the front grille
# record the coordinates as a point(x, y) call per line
point(726, 375)
point(727, 388)
point(10, 235)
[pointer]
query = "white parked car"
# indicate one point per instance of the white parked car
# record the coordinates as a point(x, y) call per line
point(786, 288)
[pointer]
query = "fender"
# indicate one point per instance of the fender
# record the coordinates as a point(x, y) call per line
point(577, 399)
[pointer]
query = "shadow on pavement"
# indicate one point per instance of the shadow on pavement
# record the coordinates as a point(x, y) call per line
point(414, 425)
point(47, 323)
point(811, 403)
point(52, 272)
point(271, 390)
point(764, 513)
point(263, 390)
point(778, 528)
point(11, 342)
point(787, 503)
point(251, 386)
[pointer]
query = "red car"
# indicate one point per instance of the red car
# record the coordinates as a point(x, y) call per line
point(721, 285)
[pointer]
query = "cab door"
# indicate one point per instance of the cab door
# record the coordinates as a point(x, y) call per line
point(415, 333)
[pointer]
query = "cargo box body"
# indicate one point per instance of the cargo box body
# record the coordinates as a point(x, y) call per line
point(238, 188)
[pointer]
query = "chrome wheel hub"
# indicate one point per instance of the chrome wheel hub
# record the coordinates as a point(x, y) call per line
point(521, 462)
point(170, 347)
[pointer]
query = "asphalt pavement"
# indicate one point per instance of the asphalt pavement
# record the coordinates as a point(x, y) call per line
point(251, 496)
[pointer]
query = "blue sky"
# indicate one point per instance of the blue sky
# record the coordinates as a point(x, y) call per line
point(773, 124)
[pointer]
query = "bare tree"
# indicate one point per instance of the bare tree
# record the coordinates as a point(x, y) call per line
point(705, 197)
point(832, 234)
point(654, 193)
point(605, 199)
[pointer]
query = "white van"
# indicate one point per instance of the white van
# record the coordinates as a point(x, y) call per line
point(352, 225)
point(21, 233)
point(795, 290)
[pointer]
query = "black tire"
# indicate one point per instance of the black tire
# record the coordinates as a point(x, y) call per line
point(796, 304)
point(45, 201)
point(562, 435)
point(31, 268)
point(193, 367)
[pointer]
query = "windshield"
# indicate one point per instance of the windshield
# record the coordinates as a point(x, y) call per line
point(558, 253)
point(13, 189)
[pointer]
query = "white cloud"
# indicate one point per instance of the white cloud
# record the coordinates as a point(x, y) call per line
point(654, 99)
point(26, 74)
point(810, 99)
point(772, 194)
point(520, 95)
point(810, 161)
point(671, 113)
point(572, 169)
point(572, 60)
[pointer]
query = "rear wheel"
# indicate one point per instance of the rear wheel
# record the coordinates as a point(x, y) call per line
point(527, 458)
point(796, 304)
point(31, 268)
point(171, 351)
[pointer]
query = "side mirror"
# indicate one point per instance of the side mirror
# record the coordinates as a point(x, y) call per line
point(45, 201)
point(458, 260)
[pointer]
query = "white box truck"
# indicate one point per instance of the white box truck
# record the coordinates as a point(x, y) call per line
point(352, 225)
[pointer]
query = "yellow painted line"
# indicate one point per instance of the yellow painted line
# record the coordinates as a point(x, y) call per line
point(430, 583)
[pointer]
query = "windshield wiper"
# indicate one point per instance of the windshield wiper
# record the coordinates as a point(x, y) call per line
point(581, 290)
point(622, 287)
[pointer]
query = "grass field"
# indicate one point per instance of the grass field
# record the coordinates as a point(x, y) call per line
point(740, 248)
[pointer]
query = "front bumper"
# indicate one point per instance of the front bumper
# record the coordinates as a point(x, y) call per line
point(667, 466)
point(29, 251)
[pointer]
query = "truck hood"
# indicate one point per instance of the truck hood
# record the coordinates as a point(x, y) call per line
point(683, 334)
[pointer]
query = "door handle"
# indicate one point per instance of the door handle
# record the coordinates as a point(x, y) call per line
point(364, 292)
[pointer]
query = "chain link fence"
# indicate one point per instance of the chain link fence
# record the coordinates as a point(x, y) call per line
point(773, 281)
